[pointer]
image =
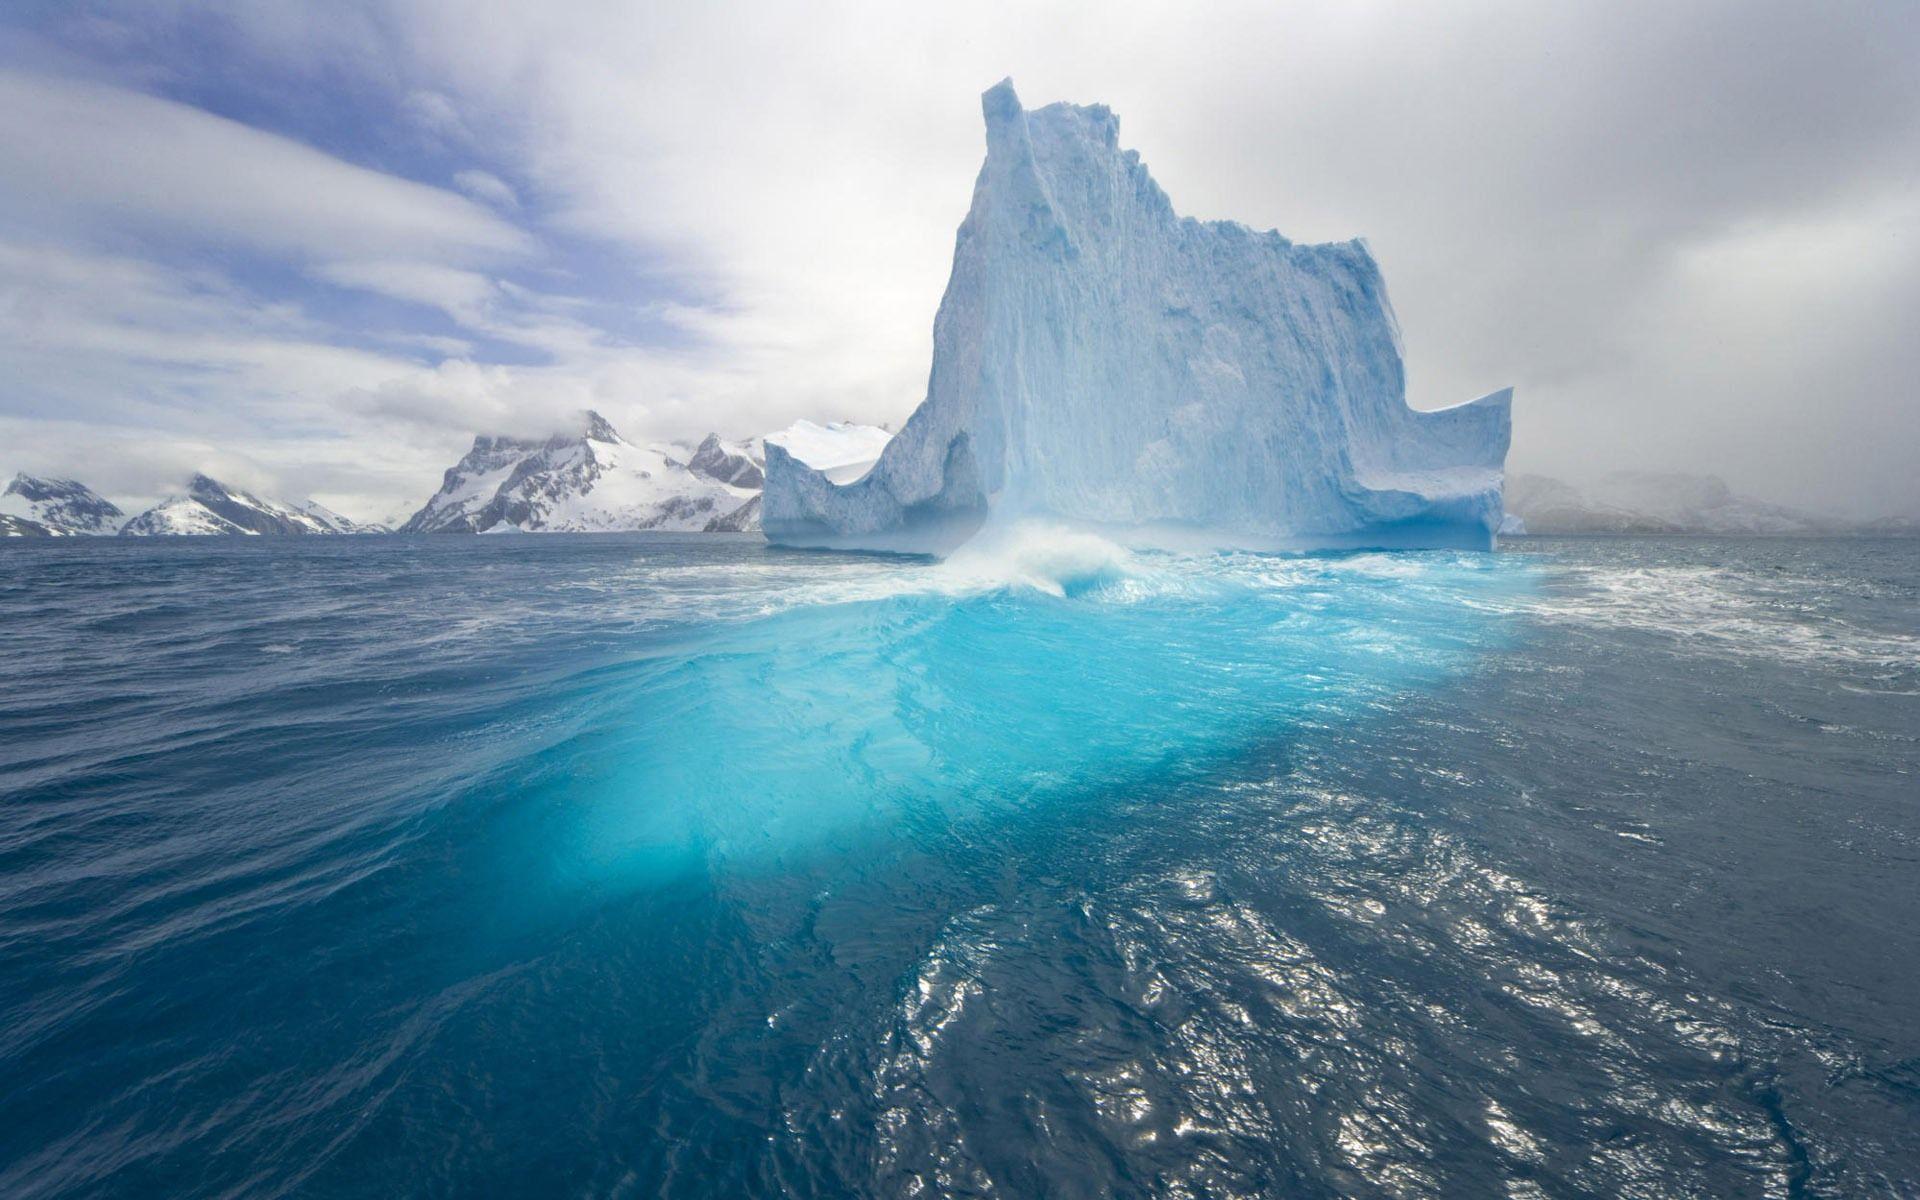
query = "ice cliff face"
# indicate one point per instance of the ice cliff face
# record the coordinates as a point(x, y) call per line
point(594, 481)
point(60, 507)
point(210, 507)
point(1099, 359)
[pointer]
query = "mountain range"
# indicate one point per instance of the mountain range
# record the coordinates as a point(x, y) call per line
point(1664, 502)
point(211, 507)
point(596, 480)
point(591, 480)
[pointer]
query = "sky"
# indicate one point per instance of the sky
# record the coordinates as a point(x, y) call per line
point(312, 249)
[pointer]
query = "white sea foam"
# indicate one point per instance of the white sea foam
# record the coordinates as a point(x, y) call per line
point(1779, 616)
point(1043, 555)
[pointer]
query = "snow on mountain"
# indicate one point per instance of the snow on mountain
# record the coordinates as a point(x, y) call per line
point(1099, 359)
point(738, 463)
point(211, 507)
point(744, 519)
point(181, 516)
point(337, 523)
point(63, 507)
point(12, 526)
point(1651, 502)
point(593, 481)
point(253, 513)
point(1701, 502)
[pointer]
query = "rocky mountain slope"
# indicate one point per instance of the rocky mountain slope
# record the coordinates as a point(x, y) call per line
point(593, 481)
point(13, 527)
point(59, 507)
point(209, 507)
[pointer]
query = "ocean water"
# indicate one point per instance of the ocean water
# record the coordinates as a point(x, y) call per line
point(684, 866)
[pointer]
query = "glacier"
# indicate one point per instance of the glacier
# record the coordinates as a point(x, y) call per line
point(1101, 361)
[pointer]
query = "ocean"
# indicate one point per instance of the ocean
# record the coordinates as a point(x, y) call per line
point(683, 866)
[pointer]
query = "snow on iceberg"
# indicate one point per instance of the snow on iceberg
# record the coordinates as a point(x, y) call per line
point(840, 450)
point(1099, 360)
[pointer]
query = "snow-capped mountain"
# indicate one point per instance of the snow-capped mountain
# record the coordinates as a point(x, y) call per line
point(1098, 358)
point(251, 512)
point(336, 522)
point(736, 463)
point(595, 481)
point(211, 507)
point(181, 516)
point(745, 519)
point(1651, 502)
point(62, 507)
point(12, 526)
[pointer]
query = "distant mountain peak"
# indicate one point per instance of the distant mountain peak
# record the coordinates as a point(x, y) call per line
point(39, 487)
point(211, 507)
point(593, 481)
point(1650, 502)
point(599, 429)
point(62, 507)
point(739, 464)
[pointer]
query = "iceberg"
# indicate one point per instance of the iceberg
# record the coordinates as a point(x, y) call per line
point(1101, 361)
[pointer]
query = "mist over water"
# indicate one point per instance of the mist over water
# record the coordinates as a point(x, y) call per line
point(644, 865)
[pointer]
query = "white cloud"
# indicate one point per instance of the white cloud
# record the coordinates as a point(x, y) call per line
point(450, 289)
point(488, 188)
point(435, 115)
point(77, 153)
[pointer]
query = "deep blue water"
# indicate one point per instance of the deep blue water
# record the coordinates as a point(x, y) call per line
point(657, 866)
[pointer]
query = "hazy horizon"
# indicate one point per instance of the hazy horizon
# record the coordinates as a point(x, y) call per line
point(312, 253)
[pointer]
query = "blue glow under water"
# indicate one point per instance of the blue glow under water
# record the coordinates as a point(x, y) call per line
point(617, 865)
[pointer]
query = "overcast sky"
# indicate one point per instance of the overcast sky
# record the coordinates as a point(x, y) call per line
point(313, 248)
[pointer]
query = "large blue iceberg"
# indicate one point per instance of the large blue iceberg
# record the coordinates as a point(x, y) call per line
point(1099, 360)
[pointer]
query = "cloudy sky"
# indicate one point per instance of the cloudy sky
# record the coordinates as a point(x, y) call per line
point(312, 248)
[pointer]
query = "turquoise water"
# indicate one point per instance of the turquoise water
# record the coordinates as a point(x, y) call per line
point(618, 865)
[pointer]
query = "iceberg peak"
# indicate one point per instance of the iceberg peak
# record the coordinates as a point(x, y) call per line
point(1100, 360)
